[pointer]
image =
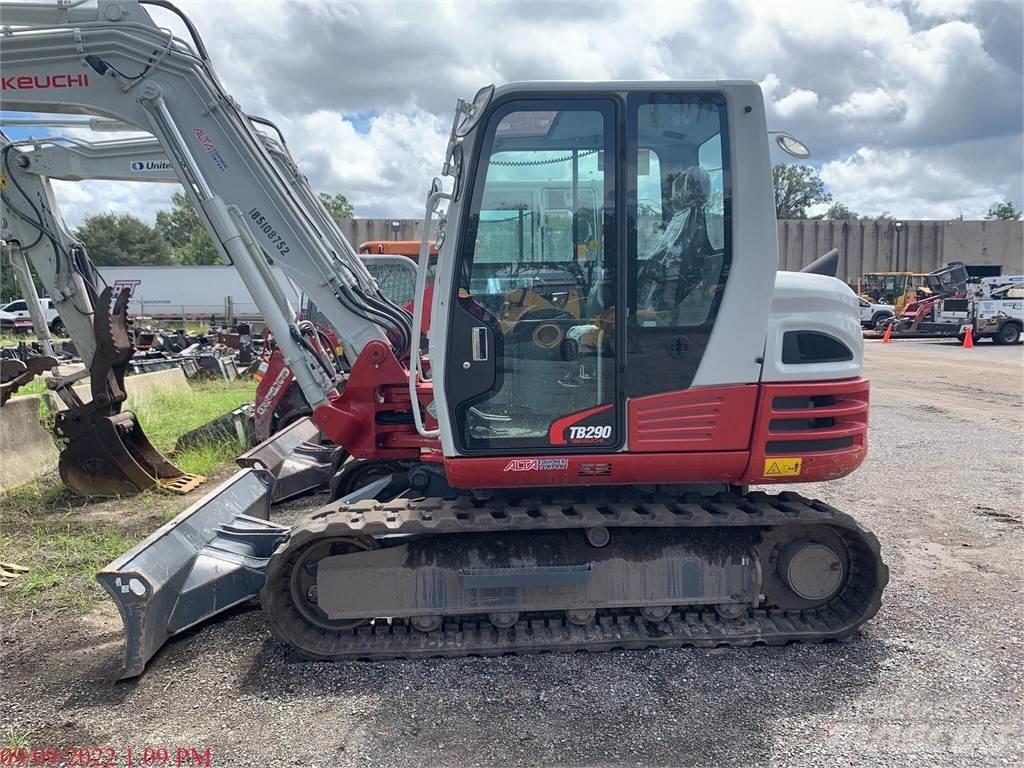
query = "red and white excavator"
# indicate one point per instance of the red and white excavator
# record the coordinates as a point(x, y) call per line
point(536, 480)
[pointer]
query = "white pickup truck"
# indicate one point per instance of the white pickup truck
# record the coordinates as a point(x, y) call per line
point(14, 316)
point(871, 314)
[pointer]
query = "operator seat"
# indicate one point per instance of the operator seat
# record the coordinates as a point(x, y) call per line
point(676, 264)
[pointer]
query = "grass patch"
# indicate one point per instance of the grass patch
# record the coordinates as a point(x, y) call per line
point(166, 416)
point(15, 739)
point(64, 539)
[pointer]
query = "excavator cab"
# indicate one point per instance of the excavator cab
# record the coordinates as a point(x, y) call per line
point(611, 210)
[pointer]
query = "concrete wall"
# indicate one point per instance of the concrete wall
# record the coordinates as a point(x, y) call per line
point(27, 449)
point(361, 230)
point(864, 246)
point(914, 246)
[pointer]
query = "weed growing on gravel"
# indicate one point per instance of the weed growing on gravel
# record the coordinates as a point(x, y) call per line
point(15, 739)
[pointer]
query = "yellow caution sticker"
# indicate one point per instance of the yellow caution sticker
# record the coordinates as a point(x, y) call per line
point(785, 467)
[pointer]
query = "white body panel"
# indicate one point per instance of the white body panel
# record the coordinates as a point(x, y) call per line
point(803, 302)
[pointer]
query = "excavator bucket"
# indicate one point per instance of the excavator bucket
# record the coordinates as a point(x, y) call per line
point(107, 453)
point(209, 558)
point(296, 458)
point(115, 458)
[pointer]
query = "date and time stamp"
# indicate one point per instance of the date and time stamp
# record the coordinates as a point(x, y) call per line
point(107, 756)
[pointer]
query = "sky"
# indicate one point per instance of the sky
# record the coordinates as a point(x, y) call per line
point(911, 107)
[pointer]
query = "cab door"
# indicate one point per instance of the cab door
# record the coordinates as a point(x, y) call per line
point(532, 358)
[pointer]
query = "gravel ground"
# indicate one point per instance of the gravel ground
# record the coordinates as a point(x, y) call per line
point(935, 678)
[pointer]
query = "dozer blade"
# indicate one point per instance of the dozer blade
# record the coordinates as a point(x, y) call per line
point(209, 558)
point(296, 458)
point(115, 458)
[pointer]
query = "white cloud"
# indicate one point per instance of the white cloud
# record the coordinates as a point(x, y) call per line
point(918, 185)
point(918, 82)
point(870, 105)
point(796, 102)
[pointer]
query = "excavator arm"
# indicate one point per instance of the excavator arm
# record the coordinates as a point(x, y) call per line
point(113, 61)
point(107, 452)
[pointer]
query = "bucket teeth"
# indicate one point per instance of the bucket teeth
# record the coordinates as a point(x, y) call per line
point(187, 482)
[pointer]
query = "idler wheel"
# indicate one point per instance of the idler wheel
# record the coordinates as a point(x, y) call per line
point(813, 571)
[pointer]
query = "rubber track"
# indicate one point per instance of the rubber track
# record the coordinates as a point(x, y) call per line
point(858, 601)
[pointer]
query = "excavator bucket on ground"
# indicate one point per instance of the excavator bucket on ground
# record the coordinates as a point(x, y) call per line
point(107, 453)
point(297, 458)
point(209, 558)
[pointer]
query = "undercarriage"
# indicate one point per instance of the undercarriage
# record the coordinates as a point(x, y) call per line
point(525, 574)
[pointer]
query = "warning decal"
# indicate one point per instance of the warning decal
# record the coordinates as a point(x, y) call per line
point(785, 467)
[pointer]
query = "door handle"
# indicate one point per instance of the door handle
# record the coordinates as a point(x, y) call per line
point(478, 337)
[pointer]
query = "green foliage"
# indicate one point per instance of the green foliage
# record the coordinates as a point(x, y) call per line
point(1003, 210)
point(122, 240)
point(839, 212)
point(185, 234)
point(797, 188)
point(337, 205)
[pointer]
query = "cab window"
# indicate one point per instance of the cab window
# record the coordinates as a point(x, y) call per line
point(680, 244)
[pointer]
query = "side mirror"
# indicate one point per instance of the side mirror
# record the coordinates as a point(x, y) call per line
point(475, 111)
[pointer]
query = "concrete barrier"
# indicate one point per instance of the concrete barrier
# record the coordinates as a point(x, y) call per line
point(140, 387)
point(27, 449)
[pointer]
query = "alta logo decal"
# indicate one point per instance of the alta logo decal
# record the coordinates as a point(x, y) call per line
point(140, 166)
point(211, 150)
point(536, 465)
point(37, 82)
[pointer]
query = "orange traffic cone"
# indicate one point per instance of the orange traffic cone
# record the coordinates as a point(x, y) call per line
point(968, 338)
point(887, 336)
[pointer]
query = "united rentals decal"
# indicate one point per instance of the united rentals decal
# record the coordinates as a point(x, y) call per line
point(39, 82)
point(141, 166)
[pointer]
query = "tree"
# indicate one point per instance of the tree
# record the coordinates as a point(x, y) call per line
point(115, 241)
point(337, 205)
point(185, 234)
point(1003, 210)
point(839, 212)
point(797, 188)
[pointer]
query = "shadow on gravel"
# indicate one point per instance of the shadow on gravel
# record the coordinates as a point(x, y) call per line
point(663, 707)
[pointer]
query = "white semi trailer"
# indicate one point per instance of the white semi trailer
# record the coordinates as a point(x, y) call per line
point(190, 293)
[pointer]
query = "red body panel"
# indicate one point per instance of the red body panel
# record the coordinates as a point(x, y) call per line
point(595, 469)
point(728, 452)
point(706, 419)
point(835, 411)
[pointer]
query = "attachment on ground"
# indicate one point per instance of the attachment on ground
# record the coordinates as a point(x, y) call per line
point(108, 454)
point(296, 458)
point(209, 558)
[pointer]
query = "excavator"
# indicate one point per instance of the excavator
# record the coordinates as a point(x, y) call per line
point(497, 501)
